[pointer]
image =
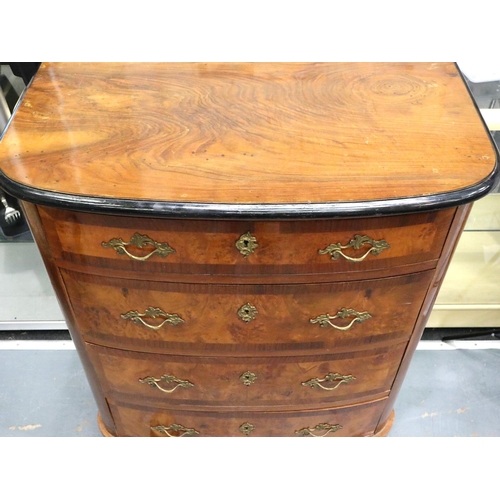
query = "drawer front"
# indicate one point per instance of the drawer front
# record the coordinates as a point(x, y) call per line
point(244, 319)
point(216, 251)
point(356, 420)
point(325, 380)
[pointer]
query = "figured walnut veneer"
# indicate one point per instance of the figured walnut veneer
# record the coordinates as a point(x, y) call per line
point(247, 133)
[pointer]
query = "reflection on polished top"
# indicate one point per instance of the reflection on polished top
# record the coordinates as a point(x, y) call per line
point(247, 133)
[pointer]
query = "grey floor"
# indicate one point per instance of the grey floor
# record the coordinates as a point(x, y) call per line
point(445, 393)
point(450, 393)
point(45, 393)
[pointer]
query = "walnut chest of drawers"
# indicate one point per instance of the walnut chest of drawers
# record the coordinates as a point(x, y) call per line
point(247, 249)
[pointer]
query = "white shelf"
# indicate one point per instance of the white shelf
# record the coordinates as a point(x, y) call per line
point(27, 300)
point(492, 118)
point(470, 294)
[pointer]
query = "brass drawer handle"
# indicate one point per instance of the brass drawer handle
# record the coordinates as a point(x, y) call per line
point(166, 379)
point(319, 428)
point(335, 249)
point(140, 241)
point(246, 244)
point(326, 319)
point(179, 429)
point(315, 383)
point(152, 312)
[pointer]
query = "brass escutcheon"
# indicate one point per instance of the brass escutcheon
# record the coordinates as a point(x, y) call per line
point(152, 312)
point(247, 312)
point(315, 383)
point(335, 249)
point(319, 428)
point(166, 379)
point(180, 430)
point(248, 378)
point(247, 428)
point(326, 319)
point(246, 244)
point(139, 241)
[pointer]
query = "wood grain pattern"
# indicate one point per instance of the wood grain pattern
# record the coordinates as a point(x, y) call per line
point(248, 133)
point(356, 420)
point(212, 325)
point(216, 380)
point(206, 250)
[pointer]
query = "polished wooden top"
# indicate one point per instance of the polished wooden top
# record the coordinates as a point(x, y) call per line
point(243, 133)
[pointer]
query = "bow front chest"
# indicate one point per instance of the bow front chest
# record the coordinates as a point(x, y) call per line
point(247, 249)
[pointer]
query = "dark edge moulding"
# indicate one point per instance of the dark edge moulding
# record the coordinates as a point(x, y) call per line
point(261, 211)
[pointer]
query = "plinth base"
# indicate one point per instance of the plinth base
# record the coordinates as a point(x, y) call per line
point(386, 427)
point(103, 428)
